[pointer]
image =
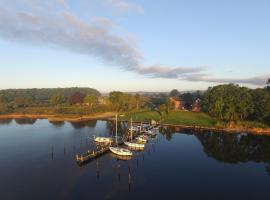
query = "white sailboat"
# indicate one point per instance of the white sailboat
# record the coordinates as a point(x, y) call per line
point(103, 140)
point(118, 150)
point(133, 144)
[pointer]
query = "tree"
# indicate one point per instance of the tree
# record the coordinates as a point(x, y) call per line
point(228, 102)
point(261, 99)
point(169, 105)
point(174, 93)
point(57, 99)
point(245, 105)
point(76, 98)
point(21, 101)
point(3, 99)
point(90, 99)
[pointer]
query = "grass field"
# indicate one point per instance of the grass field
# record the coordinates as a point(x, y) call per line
point(141, 116)
point(189, 119)
point(176, 118)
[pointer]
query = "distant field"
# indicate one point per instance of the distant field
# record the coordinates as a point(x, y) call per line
point(142, 116)
point(176, 118)
point(189, 119)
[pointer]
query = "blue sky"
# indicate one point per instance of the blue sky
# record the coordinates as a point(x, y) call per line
point(134, 45)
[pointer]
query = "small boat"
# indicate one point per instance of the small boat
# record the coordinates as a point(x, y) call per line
point(134, 145)
point(142, 138)
point(130, 144)
point(121, 151)
point(103, 139)
point(118, 150)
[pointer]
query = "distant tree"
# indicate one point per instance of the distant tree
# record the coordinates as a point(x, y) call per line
point(174, 93)
point(245, 105)
point(77, 98)
point(268, 82)
point(162, 108)
point(90, 99)
point(169, 105)
point(3, 99)
point(261, 99)
point(57, 99)
point(21, 101)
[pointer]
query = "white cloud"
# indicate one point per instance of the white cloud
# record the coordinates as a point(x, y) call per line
point(123, 6)
point(35, 23)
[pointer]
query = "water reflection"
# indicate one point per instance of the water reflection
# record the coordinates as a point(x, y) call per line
point(83, 124)
point(5, 121)
point(173, 161)
point(57, 124)
point(234, 148)
point(25, 121)
point(229, 147)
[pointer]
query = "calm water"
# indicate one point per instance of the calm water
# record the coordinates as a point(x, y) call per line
point(37, 162)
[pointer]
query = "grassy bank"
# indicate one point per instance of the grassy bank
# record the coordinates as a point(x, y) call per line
point(184, 118)
point(188, 119)
point(176, 118)
point(59, 117)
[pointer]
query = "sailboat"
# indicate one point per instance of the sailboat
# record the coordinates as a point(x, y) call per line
point(118, 150)
point(133, 144)
point(103, 140)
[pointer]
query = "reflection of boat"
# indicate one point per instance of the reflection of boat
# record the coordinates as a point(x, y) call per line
point(142, 138)
point(103, 139)
point(118, 150)
point(121, 157)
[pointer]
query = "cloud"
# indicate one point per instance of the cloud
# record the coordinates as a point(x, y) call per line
point(256, 80)
point(64, 29)
point(159, 71)
point(52, 23)
point(123, 6)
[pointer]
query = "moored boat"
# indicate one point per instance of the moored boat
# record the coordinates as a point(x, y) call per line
point(118, 150)
point(134, 145)
point(103, 139)
point(121, 151)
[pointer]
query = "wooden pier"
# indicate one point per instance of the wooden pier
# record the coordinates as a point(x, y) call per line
point(91, 155)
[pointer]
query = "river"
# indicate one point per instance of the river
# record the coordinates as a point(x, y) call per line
point(37, 162)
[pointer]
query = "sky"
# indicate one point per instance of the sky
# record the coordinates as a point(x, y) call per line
point(138, 45)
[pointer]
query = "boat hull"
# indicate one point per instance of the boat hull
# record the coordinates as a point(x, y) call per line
point(103, 140)
point(121, 151)
point(134, 145)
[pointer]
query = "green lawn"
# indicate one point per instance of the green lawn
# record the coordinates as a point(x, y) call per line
point(141, 116)
point(176, 118)
point(189, 119)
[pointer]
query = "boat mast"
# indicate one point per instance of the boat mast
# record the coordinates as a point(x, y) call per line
point(116, 128)
point(131, 130)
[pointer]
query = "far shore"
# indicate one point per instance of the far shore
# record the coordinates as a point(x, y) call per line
point(110, 116)
point(59, 118)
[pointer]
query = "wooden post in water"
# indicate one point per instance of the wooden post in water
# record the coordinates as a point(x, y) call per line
point(118, 172)
point(64, 148)
point(97, 170)
point(52, 152)
point(81, 142)
point(129, 178)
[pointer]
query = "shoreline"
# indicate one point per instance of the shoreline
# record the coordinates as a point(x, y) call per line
point(110, 115)
point(59, 118)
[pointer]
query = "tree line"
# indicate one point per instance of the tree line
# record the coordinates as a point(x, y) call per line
point(232, 103)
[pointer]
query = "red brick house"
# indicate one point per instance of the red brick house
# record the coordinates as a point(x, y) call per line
point(196, 106)
point(177, 103)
